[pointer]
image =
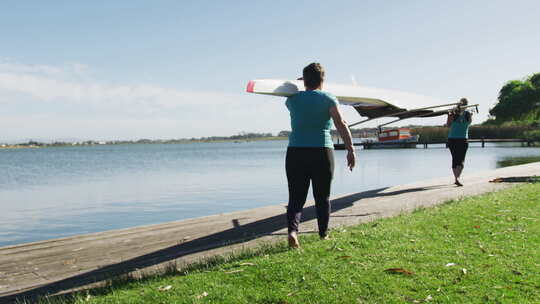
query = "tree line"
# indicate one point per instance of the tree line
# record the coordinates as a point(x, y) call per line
point(518, 103)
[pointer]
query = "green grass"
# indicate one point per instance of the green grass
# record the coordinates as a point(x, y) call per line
point(493, 241)
point(514, 161)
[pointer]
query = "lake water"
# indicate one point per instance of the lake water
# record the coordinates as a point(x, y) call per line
point(56, 192)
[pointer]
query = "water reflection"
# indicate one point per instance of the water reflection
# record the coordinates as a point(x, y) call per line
point(54, 192)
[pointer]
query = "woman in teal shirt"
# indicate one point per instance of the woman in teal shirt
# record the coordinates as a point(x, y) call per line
point(458, 122)
point(310, 155)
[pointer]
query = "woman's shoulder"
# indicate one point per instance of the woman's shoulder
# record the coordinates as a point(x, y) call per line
point(465, 117)
point(313, 96)
point(327, 94)
point(329, 97)
point(315, 93)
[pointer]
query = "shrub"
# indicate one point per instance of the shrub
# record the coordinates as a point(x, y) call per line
point(533, 135)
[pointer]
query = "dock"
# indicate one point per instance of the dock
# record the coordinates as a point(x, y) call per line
point(83, 261)
point(425, 144)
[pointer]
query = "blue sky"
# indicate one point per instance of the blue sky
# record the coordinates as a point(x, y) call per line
point(173, 69)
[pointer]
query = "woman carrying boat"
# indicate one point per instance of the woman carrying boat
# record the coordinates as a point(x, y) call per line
point(458, 121)
point(310, 155)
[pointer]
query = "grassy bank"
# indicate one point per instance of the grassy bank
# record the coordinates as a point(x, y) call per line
point(483, 249)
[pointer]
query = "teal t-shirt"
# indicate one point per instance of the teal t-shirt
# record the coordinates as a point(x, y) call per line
point(310, 119)
point(459, 127)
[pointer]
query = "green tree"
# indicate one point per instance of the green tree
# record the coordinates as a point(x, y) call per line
point(518, 101)
point(535, 80)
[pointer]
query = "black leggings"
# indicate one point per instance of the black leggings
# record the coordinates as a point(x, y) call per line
point(304, 165)
point(458, 148)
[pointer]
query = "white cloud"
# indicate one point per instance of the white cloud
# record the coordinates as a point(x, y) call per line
point(65, 70)
point(49, 83)
point(50, 102)
point(59, 94)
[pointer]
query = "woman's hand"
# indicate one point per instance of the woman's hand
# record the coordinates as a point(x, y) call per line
point(345, 133)
point(351, 159)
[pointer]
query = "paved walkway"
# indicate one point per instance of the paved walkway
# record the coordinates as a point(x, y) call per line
point(76, 262)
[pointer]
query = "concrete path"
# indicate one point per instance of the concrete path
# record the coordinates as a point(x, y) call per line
point(76, 262)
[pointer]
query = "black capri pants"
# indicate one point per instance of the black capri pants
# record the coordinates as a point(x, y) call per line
point(305, 165)
point(458, 147)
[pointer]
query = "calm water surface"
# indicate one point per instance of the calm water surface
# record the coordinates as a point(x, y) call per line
point(55, 192)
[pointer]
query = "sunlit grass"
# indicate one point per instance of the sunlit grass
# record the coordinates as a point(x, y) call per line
point(514, 161)
point(483, 249)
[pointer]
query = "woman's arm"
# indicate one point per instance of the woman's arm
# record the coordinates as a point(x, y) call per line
point(345, 134)
point(449, 120)
point(469, 116)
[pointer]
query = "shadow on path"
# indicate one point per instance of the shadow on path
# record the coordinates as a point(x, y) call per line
point(235, 235)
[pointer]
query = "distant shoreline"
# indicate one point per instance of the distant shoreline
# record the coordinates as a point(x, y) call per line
point(34, 145)
point(18, 146)
point(269, 138)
